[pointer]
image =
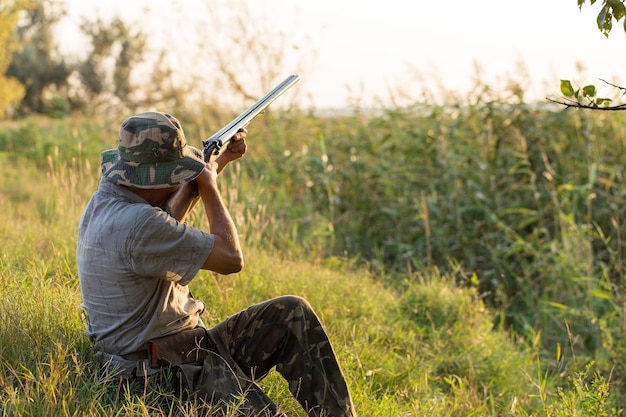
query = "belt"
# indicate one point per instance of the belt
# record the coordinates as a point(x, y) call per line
point(136, 356)
point(184, 347)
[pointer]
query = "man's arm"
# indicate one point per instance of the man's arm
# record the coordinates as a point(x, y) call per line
point(226, 256)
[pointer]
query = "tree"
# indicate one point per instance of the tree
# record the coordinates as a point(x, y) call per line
point(55, 84)
point(11, 90)
point(115, 51)
point(38, 64)
point(246, 50)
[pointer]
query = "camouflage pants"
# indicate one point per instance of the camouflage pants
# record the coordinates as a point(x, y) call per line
point(284, 333)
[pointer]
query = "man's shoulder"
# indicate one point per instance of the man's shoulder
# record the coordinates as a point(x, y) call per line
point(109, 190)
point(114, 205)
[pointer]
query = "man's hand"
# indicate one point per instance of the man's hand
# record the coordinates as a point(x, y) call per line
point(236, 149)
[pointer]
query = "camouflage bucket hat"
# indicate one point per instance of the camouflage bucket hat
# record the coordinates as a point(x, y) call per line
point(152, 153)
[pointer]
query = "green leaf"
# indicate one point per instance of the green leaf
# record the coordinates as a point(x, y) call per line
point(619, 10)
point(558, 305)
point(605, 19)
point(589, 91)
point(601, 294)
point(602, 16)
point(566, 88)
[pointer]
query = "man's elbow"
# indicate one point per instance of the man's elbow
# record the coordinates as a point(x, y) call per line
point(234, 265)
point(224, 259)
point(237, 266)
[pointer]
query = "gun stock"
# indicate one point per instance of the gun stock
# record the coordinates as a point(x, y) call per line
point(180, 204)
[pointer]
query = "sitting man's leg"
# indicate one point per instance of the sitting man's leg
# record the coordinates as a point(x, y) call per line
point(285, 332)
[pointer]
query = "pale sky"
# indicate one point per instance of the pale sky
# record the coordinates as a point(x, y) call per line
point(365, 48)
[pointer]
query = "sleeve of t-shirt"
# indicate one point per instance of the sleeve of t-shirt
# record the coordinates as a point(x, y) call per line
point(163, 248)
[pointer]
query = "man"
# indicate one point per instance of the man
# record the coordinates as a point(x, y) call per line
point(135, 263)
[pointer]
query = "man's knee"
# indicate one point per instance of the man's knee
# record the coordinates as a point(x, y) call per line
point(293, 302)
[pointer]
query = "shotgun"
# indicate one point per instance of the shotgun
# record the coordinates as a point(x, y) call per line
point(180, 204)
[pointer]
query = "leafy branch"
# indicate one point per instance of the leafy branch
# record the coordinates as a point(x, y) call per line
point(611, 10)
point(586, 97)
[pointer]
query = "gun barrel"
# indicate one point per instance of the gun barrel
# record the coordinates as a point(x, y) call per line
point(221, 138)
point(180, 204)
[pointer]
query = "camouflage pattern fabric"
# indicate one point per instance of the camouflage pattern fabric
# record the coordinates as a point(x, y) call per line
point(283, 332)
point(223, 386)
point(152, 152)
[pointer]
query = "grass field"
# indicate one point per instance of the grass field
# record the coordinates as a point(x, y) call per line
point(402, 287)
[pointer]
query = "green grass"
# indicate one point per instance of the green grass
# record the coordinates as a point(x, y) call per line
point(396, 359)
point(423, 341)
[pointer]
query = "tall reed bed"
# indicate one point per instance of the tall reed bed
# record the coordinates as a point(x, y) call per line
point(523, 203)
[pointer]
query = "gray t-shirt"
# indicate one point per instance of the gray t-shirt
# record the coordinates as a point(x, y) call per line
point(135, 263)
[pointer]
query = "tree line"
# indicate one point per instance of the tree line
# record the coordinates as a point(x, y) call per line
point(118, 68)
point(36, 77)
